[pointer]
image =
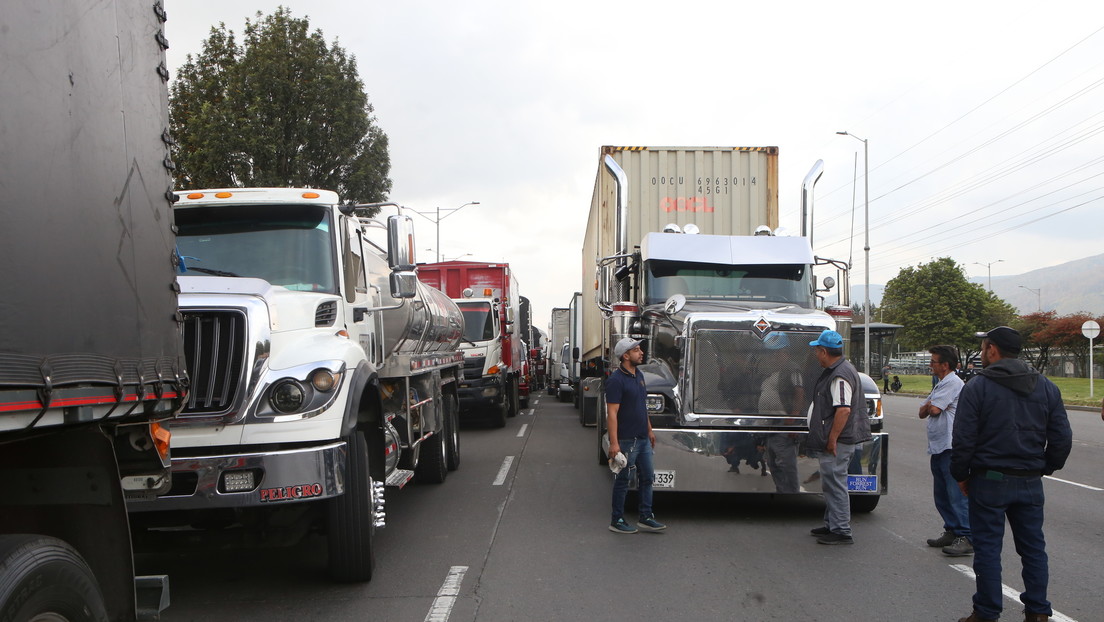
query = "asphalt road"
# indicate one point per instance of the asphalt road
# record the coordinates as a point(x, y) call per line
point(519, 533)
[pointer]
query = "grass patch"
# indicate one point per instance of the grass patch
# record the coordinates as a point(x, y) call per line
point(1075, 391)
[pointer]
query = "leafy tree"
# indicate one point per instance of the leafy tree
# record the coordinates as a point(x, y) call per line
point(1064, 333)
point(282, 108)
point(1034, 328)
point(936, 304)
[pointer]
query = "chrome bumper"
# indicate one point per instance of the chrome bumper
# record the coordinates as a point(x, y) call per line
point(279, 477)
point(748, 461)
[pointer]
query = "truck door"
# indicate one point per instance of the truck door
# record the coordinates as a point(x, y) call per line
point(364, 326)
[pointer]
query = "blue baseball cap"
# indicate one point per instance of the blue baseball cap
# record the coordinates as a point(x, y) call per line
point(828, 339)
point(776, 341)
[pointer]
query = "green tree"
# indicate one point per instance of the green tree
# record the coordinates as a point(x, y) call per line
point(281, 109)
point(936, 304)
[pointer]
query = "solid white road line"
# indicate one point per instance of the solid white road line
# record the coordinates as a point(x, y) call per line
point(504, 470)
point(1066, 481)
point(1010, 593)
point(446, 596)
point(521, 432)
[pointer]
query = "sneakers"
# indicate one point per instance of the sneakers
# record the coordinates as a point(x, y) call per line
point(944, 540)
point(819, 531)
point(620, 526)
point(835, 538)
point(960, 547)
point(650, 524)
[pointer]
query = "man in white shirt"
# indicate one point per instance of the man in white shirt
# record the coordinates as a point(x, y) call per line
point(939, 410)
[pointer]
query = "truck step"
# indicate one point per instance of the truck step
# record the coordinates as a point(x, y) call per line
point(399, 477)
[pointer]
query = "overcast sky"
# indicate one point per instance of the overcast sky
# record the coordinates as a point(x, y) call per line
point(984, 119)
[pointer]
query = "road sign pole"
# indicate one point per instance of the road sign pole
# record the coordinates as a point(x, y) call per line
point(1090, 329)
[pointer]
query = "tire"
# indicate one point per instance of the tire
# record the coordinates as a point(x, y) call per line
point(43, 578)
point(351, 522)
point(452, 433)
point(513, 398)
point(864, 504)
point(432, 460)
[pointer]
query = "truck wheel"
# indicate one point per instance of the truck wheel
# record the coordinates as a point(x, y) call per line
point(513, 398)
point(351, 521)
point(452, 433)
point(864, 504)
point(432, 463)
point(43, 578)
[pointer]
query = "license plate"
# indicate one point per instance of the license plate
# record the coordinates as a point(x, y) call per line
point(664, 479)
point(862, 483)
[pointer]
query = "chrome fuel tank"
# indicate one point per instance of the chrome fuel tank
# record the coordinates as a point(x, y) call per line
point(429, 322)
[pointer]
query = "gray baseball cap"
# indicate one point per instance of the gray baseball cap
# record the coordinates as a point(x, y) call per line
point(624, 346)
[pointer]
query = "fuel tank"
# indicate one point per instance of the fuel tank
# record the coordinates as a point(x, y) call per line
point(429, 322)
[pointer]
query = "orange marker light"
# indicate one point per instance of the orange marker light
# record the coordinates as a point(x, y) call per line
point(310, 195)
point(161, 436)
point(195, 195)
point(223, 195)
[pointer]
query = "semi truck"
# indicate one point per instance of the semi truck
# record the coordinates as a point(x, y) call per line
point(487, 294)
point(559, 354)
point(682, 251)
point(91, 364)
point(322, 371)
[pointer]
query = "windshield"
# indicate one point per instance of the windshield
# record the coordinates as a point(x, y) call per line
point(785, 283)
point(478, 321)
point(286, 245)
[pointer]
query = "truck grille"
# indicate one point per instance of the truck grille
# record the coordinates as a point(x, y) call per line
point(473, 367)
point(214, 349)
point(735, 373)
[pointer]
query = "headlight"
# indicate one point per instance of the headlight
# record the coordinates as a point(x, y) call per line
point(323, 380)
point(286, 396)
point(655, 403)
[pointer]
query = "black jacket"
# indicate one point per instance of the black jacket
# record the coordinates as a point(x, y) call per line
point(1009, 417)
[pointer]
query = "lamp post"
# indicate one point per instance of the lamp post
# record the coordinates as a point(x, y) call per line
point(989, 268)
point(866, 248)
point(1038, 295)
point(438, 218)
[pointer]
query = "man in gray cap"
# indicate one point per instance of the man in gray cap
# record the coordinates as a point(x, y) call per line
point(1010, 430)
point(837, 424)
point(630, 432)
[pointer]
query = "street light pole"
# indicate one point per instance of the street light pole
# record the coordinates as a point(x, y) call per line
point(866, 248)
point(989, 267)
point(437, 221)
point(1038, 295)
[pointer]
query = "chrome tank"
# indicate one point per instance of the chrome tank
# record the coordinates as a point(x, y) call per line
point(429, 322)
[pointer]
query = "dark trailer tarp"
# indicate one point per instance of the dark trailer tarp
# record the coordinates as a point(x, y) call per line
point(86, 244)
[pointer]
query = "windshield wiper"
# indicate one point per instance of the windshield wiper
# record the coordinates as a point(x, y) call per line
point(212, 271)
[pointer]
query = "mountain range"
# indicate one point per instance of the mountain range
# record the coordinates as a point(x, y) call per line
point(1067, 288)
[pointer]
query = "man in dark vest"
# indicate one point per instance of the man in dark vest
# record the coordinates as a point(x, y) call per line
point(838, 423)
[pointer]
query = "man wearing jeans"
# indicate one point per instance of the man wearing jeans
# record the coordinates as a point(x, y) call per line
point(837, 424)
point(1011, 429)
point(630, 432)
point(939, 409)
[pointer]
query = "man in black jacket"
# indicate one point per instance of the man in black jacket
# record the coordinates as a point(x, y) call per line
point(1011, 429)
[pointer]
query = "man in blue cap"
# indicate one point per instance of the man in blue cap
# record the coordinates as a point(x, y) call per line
point(838, 423)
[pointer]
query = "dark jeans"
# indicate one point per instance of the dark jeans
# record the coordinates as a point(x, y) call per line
point(1020, 499)
point(638, 453)
point(953, 506)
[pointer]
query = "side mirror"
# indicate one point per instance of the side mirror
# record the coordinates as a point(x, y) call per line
point(404, 284)
point(829, 282)
point(400, 244)
point(674, 304)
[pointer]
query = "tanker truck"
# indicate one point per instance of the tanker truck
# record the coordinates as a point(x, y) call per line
point(322, 371)
point(689, 259)
point(91, 360)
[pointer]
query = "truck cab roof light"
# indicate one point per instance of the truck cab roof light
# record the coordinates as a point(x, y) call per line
point(223, 195)
point(311, 195)
point(195, 195)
